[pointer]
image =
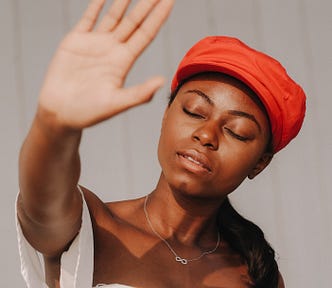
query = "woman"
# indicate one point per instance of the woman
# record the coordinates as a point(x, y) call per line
point(230, 110)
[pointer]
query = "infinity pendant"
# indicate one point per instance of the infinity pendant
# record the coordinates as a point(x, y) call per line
point(181, 260)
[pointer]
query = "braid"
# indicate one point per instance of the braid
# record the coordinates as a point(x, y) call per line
point(248, 240)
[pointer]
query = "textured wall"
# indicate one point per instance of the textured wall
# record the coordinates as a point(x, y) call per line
point(291, 200)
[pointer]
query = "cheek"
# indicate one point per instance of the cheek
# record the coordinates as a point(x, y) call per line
point(174, 136)
point(234, 168)
point(166, 141)
point(173, 129)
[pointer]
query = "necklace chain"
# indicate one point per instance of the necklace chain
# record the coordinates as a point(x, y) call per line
point(179, 259)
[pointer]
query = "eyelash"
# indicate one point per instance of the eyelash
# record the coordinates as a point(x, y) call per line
point(236, 136)
point(194, 115)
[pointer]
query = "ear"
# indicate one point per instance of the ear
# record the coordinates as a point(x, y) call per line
point(263, 162)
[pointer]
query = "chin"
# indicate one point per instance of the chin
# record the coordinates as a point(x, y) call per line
point(190, 189)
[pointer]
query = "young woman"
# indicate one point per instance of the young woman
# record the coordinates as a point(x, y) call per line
point(230, 110)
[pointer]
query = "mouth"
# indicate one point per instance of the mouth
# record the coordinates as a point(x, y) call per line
point(195, 160)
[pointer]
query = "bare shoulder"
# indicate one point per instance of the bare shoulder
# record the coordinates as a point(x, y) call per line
point(119, 212)
point(281, 283)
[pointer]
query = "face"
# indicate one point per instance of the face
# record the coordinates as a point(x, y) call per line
point(213, 136)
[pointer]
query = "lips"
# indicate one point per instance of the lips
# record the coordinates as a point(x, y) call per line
point(196, 159)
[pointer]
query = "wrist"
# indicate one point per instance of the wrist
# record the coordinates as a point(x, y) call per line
point(49, 124)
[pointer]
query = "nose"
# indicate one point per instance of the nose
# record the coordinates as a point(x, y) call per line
point(207, 135)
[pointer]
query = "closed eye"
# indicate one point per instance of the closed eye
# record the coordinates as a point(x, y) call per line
point(236, 136)
point(191, 114)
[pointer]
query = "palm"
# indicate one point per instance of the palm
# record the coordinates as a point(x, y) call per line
point(98, 56)
point(84, 84)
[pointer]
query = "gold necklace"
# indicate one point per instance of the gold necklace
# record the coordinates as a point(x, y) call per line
point(179, 259)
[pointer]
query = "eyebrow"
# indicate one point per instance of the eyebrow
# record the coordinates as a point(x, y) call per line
point(203, 95)
point(245, 115)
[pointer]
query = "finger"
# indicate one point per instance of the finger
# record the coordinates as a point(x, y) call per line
point(144, 35)
point(138, 94)
point(113, 16)
point(136, 16)
point(90, 16)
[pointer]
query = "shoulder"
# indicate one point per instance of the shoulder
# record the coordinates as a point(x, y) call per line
point(281, 283)
point(119, 212)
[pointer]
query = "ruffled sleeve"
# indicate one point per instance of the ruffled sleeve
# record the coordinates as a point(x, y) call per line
point(76, 263)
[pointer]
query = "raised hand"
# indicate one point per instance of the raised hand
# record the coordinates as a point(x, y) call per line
point(84, 83)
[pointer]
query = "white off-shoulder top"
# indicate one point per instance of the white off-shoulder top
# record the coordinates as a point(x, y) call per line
point(76, 263)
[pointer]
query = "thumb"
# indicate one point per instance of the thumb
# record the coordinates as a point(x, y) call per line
point(141, 93)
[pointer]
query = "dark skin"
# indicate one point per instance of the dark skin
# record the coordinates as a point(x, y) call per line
point(205, 151)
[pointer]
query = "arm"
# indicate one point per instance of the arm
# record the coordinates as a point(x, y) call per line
point(49, 169)
point(83, 86)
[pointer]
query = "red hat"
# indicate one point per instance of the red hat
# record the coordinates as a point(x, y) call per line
point(283, 99)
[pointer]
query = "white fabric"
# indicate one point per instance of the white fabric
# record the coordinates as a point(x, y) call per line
point(76, 263)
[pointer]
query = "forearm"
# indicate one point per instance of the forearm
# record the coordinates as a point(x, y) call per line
point(49, 169)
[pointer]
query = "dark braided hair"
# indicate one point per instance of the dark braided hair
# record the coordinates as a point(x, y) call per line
point(247, 239)
point(242, 235)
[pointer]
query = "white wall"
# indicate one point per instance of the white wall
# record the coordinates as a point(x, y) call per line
point(291, 200)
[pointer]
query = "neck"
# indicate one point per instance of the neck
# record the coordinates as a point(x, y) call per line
point(191, 221)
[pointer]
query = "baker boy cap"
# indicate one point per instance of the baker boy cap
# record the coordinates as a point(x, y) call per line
point(283, 99)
